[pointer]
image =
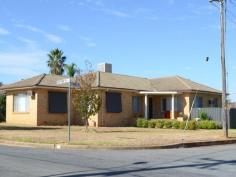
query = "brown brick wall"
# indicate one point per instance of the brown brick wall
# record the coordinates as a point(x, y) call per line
point(29, 118)
point(125, 118)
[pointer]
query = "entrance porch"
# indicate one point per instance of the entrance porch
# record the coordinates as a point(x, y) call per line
point(162, 104)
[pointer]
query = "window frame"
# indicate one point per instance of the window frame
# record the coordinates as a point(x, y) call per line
point(112, 109)
point(27, 103)
point(136, 108)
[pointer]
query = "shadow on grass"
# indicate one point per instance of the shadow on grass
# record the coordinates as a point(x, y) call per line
point(27, 128)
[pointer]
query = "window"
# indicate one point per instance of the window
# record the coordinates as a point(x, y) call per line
point(179, 102)
point(136, 104)
point(198, 102)
point(57, 102)
point(164, 104)
point(213, 102)
point(113, 102)
point(21, 102)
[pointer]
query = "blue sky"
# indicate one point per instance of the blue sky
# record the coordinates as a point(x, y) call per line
point(148, 38)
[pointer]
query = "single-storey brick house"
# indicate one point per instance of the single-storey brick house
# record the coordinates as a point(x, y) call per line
point(41, 101)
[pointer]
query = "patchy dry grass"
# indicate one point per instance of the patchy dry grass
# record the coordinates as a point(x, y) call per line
point(107, 137)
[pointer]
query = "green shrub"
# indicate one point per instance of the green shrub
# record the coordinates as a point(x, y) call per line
point(192, 125)
point(208, 124)
point(159, 123)
point(203, 124)
point(182, 125)
point(203, 115)
point(176, 124)
point(212, 125)
point(168, 124)
point(139, 122)
point(145, 123)
point(152, 123)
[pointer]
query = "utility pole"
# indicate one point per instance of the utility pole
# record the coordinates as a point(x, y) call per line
point(224, 115)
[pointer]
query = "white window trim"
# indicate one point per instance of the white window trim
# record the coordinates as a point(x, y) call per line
point(26, 107)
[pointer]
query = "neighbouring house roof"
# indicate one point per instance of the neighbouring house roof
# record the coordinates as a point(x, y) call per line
point(118, 81)
point(233, 105)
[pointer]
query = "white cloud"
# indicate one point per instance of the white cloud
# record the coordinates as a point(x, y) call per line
point(4, 31)
point(30, 28)
point(49, 36)
point(22, 64)
point(88, 41)
point(53, 38)
point(64, 28)
point(117, 13)
point(29, 43)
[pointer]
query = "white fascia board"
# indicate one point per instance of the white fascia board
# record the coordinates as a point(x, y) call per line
point(158, 93)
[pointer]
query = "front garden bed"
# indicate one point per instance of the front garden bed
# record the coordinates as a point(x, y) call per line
point(175, 124)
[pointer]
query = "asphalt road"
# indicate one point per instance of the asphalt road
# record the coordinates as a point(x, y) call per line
point(195, 162)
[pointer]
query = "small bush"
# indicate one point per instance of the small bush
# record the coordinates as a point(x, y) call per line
point(168, 124)
point(202, 124)
point(139, 122)
point(208, 124)
point(203, 115)
point(212, 125)
point(143, 123)
point(159, 123)
point(176, 124)
point(152, 123)
point(182, 125)
point(192, 125)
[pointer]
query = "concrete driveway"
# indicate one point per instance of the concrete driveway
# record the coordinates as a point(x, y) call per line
point(204, 161)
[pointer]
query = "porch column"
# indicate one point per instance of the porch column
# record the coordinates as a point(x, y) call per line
point(173, 106)
point(146, 106)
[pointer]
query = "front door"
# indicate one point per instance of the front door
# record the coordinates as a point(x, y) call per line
point(150, 111)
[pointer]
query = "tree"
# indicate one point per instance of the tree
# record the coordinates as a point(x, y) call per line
point(2, 107)
point(56, 61)
point(86, 99)
point(71, 69)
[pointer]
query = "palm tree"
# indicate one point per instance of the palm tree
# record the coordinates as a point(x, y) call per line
point(56, 61)
point(71, 69)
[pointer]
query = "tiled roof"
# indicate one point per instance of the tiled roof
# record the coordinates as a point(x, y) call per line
point(124, 82)
point(40, 80)
point(177, 83)
point(111, 80)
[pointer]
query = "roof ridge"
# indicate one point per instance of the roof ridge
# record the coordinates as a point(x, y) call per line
point(123, 75)
point(183, 82)
point(164, 77)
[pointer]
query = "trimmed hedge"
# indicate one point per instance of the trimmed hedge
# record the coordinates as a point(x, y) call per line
point(167, 123)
